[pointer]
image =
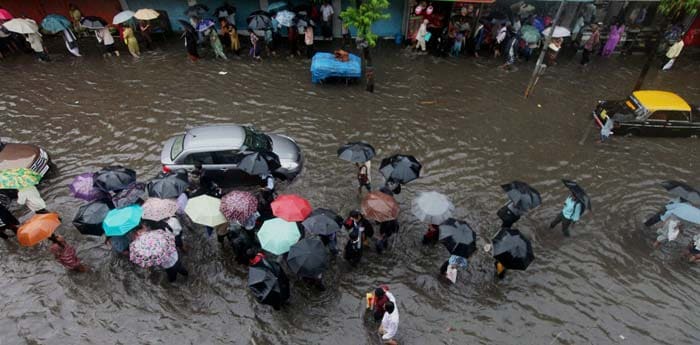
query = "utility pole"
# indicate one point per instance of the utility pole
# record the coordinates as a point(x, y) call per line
point(539, 67)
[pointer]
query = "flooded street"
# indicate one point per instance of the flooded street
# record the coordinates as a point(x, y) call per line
point(464, 119)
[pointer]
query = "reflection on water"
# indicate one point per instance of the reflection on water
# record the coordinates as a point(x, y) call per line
point(468, 124)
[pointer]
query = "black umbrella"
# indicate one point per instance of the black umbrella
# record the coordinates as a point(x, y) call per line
point(579, 194)
point(458, 237)
point(259, 163)
point(169, 185)
point(522, 195)
point(114, 178)
point(89, 218)
point(135, 193)
point(356, 152)
point(268, 283)
point(512, 249)
point(186, 25)
point(224, 11)
point(196, 10)
point(400, 168)
point(308, 258)
point(93, 22)
point(259, 20)
point(683, 191)
point(323, 222)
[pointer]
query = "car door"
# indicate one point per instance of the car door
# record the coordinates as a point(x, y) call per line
point(655, 124)
point(226, 163)
point(207, 160)
point(678, 124)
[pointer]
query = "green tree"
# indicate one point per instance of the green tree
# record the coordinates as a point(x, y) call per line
point(361, 15)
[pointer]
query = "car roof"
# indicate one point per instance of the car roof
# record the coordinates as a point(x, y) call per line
point(220, 136)
point(661, 100)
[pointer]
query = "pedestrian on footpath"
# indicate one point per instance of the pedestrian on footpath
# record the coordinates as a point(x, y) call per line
point(327, 20)
point(672, 54)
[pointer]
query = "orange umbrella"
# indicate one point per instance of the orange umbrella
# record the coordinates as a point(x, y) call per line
point(380, 207)
point(37, 229)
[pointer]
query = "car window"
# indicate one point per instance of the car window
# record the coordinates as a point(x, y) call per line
point(226, 157)
point(256, 141)
point(178, 146)
point(659, 116)
point(677, 116)
point(201, 157)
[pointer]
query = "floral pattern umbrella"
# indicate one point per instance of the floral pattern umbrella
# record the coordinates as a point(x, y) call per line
point(158, 209)
point(83, 188)
point(238, 206)
point(18, 178)
point(153, 248)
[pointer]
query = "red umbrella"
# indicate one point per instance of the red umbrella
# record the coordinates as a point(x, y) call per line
point(380, 207)
point(291, 208)
point(5, 15)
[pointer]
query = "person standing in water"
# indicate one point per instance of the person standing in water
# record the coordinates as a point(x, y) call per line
point(71, 42)
point(131, 42)
point(569, 214)
point(105, 37)
point(363, 176)
point(65, 254)
point(216, 44)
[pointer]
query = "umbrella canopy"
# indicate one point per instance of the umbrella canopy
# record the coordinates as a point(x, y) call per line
point(93, 22)
point(169, 185)
point(522, 195)
point(158, 209)
point(152, 248)
point(259, 163)
point(458, 237)
point(579, 194)
point(54, 23)
point(356, 152)
point(83, 187)
point(308, 258)
point(146, 14)
point(238, 206)
point(18, 178)
point(204, 210)
point(285, 18)
point(277, 6)
point(114, 178)
point(268, 283)
point(21, 26)
point(432, 207)
point(205, 25)
point(5, 15)
point(291, 208)
point(259, 20)
point(512, 249)
point(224, 11)
point(37, 229)
point(119, 221)
point(686, 212)
point(400, 168)
point(89, 218)
point(278, 235)
point(196, 10)
point(122, 17)
point(380, 207)
point(134, 193)
point(559, 32)
point(683, 191)
point(323, 221)
point(186, 25)
point(530, 34)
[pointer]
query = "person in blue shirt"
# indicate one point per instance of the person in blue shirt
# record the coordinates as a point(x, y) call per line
point(569, 214)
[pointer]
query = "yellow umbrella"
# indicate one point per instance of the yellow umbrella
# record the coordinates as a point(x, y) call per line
point(146, 14)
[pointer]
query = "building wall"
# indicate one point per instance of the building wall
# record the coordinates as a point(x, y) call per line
point(38, 9)
point(388, 27)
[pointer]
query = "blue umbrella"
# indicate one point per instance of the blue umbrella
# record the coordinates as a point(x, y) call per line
point(276, 6)
point(285, 18)
point(278, 235)
point(55, 23)
point(684, 211)
point(204, 25)
point(122, 220)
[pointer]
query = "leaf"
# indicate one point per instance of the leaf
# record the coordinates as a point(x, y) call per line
point(362, 17)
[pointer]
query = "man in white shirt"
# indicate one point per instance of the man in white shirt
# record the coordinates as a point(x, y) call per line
point(390, 323)
point(327, 22)
point(30, 197)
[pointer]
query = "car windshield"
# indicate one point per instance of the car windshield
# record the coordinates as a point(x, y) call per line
point(178, 146)
point(256, 141)
point(639, 110)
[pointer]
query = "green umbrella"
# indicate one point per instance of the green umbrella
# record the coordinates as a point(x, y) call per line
point(278, 235)
point(204, 210)
point(530, 34)
point(18, 178)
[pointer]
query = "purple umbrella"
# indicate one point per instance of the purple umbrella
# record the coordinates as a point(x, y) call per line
point(82, 188)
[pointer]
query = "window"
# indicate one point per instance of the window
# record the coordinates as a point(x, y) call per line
point(200, 157)
point(178, 146)
point(678, 116)
point(659, 116)
point(226, 157)
point(256, 141)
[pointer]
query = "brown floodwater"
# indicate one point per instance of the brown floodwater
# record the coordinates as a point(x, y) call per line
point(464, 119)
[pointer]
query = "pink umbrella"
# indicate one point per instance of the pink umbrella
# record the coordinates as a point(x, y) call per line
point(5, 15)
point(158, 209)
point(238, 206)
point(153, 248)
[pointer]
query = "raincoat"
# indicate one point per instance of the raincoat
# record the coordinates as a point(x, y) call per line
point(131, 42)
point(572, 209)
point(613, 38)
point(216, 45)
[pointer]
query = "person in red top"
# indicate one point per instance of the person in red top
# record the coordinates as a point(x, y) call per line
point(380, 299)
point(65, 254)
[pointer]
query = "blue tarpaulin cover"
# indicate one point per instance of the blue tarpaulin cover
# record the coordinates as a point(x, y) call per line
point(324, 65)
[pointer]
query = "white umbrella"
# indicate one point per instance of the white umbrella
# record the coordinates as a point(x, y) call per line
point(432, 207)
point(21, 26)
point(204, 210)
point(146, 14)
point(122, 17)
point(559, 32)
